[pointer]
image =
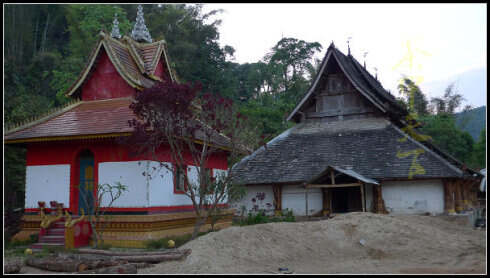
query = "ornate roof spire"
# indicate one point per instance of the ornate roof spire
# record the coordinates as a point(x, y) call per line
point(348, 45)
point(140, 31)
point(115, 28)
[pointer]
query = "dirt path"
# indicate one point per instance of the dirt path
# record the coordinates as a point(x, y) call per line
point(393, 244)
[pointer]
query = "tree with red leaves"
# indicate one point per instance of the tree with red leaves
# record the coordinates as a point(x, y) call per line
point(194, 126)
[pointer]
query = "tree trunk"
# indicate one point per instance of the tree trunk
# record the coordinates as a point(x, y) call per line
point(56, 264)
point(152, 258)
point(199, 222)
point(115, 253)
point(96, 264)
point(10, 267)
point(43, 42)
point(118, 269)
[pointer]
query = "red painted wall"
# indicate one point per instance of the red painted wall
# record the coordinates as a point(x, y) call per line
point(161, 70)
point(104, 150)
point(105, 82)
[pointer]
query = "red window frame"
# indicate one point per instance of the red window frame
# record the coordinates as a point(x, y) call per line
point(177, 191)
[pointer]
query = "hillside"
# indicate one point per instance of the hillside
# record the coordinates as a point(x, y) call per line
point(472, 121)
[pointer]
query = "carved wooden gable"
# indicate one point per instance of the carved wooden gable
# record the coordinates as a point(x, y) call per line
point(336, 96)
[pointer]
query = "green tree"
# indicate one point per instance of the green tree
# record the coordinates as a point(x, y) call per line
point(479, 152)
point(415, 101)
point(290, 60)
point(448, 103)
point(447, 136)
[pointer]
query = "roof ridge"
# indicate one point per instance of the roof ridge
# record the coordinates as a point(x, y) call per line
point(136, 56)
point(54, 112)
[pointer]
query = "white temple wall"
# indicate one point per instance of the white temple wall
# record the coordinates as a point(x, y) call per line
point(130, 174)
point(47, 183)
point(246, 204)
point(414, 197)
point(294, 198)
point(161, 186)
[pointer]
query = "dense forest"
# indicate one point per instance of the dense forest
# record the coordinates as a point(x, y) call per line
point(472, 121)
point(46, 46)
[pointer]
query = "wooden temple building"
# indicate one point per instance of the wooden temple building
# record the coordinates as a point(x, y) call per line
point(77, 145)
point(353, 148)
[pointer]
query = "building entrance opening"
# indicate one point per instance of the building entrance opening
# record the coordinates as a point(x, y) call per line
point(346, 199)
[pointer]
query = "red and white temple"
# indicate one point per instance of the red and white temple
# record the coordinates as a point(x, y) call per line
point(78, 145)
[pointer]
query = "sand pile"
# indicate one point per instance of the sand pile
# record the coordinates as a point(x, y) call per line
point(390, 244)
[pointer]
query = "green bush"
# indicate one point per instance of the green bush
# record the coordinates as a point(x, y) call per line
point(261, 218)
point(16, 243)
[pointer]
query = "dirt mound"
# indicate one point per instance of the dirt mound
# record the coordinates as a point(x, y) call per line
point(390, 244)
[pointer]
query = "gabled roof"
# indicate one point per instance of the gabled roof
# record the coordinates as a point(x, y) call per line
point(348, 172)
point(88, 119)
point(135, 62)
point(360, 78)
point(367, 146)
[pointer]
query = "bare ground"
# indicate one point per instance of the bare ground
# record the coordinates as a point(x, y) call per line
point(393, 244)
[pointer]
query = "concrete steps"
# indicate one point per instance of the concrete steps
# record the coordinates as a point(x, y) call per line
point(54, 237)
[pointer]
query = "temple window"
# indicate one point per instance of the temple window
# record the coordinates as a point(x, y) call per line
point(180, 173)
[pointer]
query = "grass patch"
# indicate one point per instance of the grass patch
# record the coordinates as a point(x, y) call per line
point(163, 242)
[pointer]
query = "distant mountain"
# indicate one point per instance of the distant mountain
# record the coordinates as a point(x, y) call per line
point(471, 84)
point(472, 121)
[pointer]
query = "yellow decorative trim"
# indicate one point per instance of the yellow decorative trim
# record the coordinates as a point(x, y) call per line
point(134, 230)
point(69, 223)
point(46, 220)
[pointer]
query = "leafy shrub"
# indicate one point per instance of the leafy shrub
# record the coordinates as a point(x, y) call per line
point(261, 217)
point(16, 243)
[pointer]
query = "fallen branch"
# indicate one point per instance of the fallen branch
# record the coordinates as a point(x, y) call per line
point(11, 268)
point(118, 269)
point(56, 264)
point(96, 264)
point(153, 258)
point(115, 253)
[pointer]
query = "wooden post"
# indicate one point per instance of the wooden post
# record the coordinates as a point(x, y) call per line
point(458, 196)
point(362, 197)
point(325, 202)
point(448, 204)
point(277, 190)
point(380, 207)
point(332, 177)
point(306, 200)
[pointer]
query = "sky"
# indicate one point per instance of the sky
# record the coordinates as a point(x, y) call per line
point(442, 39)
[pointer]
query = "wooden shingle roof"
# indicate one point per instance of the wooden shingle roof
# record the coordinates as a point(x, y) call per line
point(99, 118)
point(370, 147)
